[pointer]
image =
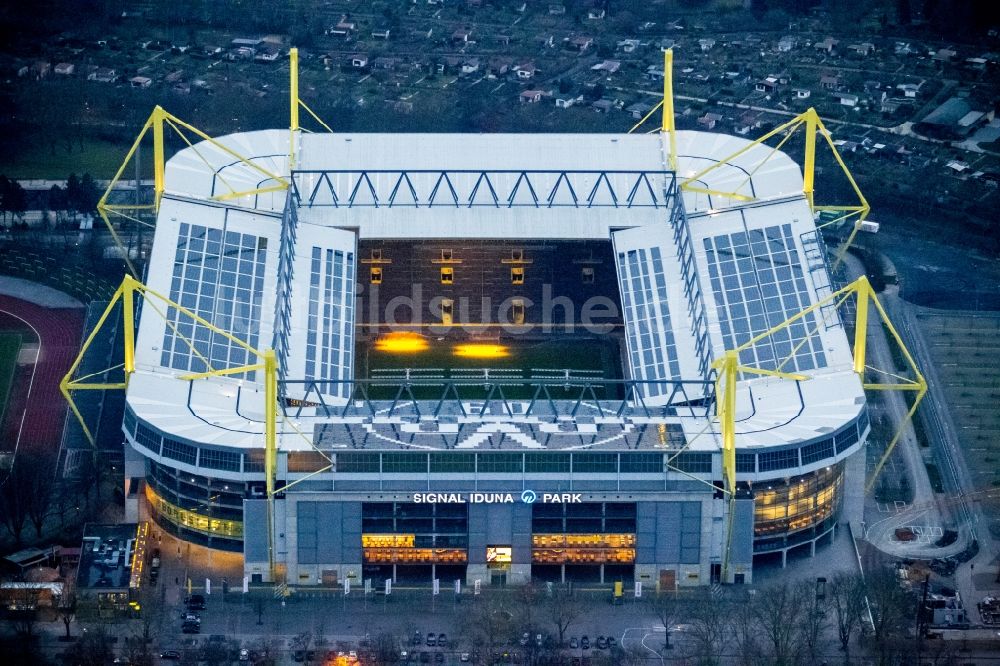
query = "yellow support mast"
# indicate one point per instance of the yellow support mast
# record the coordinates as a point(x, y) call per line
point(126, 294)
point(728, 369)
point(667, 124)
point(293, 103)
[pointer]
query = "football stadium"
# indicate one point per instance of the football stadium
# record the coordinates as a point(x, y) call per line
point(496, 358)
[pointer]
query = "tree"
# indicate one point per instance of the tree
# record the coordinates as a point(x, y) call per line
point(891, 610)
point(39, 470)
point(21, 611)
point(67, 610)
point(14, 500)
point(847, 595)
point(708, 628)
point(776, 613)
point(563, 610)
point(667, 609)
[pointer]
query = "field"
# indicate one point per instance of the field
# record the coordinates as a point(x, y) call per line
point(594, 359)
point(10, 343)
point(966, 352)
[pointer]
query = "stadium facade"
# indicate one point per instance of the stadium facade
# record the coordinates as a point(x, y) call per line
point(495, 359)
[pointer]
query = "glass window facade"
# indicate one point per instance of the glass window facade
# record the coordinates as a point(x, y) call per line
point(641, 463)
point(496, 463)
point(224, 460)
point(693, 463)
point(551, 463)
point(804, 502)
point(330, 335)
point(770, 461)
point(184, 453)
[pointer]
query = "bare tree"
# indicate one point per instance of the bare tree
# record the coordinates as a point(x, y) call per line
point(746, 635)
point(39, 470)
point(847, 596)
point(66, 606)
point(891, 611)
point(668, 609)
point(14, 498)
point(778, 612)
point(708, 628)
point(21, 611)
point(563, 611)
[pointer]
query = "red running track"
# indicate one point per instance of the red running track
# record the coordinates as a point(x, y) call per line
point(38, 398)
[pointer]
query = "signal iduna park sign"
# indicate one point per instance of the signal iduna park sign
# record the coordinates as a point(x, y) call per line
point(528, 497)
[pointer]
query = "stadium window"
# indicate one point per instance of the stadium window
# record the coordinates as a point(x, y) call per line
point(693, 463)
point(499, 462)
point(357, 463)
point(446, 255)
point(517, 275)
point(641, 463)
point(547, 462)
point(587, 275)
point(595, 462)
point(447, 275)
point(376, 275)
point(404, 463)
point(444, 463)
point(517, 311)
point(447, 311)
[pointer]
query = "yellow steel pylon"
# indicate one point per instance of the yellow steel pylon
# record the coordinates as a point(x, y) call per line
point(155, 124)
point(728, 369)
point(267, 363)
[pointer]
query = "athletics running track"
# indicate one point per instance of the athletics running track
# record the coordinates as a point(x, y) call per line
point(36, 410)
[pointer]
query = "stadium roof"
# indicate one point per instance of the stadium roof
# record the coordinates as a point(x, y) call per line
point(757, 262)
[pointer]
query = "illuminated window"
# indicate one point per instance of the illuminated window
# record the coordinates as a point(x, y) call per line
point(376, 275)
point(446, 255)
point(447, 275)
point(447, 311)
point(517, 311)
point(517, 275)
point(498, 554)
point(587, 275)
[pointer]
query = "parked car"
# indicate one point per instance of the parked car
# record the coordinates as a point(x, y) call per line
point(195, 602)
point(191, 628)
point(425, 657)
point(431, 640)
point(170, 654)
point(465, 657)
point(585, 643)
point(573, 643)
point(244, 655)
point(417, 638)
point(602, 643)
point(442, 640)
point(612, 643)
point(439, 657)
point(190, 617)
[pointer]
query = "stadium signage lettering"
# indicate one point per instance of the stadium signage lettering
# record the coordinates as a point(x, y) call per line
point(493, 498)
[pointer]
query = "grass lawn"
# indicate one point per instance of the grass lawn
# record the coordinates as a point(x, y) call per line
point(33, 158)
point(525, 358)
point(10, 343)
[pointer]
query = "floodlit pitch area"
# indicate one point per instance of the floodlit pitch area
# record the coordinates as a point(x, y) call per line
point(966, 349)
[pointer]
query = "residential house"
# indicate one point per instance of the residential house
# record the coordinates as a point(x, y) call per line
point(526, 71)
point(709, 120)
point(768, 86)
point(609, 66)
point(499, 65)
point(829, 82)
point(65, 69)
point(872, 86)
point(668, 43)
point(943, 55)
point(461, 36)
point(244, 42)
point(628, 45)
point(903, 48)
point(827, 45)
point(381, 33)
point(846, 99)
point(638, 110)
point(595, 14)
point(385, 62)
point(747, 122)
point(470, 66)
point(503, 39)
point(267, 53)
point(706, 43)
point(242, 53)
point(864, 49)
point(556, 9)
point(531, 96)
point(103, 75)
point(566, 102)
point(343, 28)
point(40, 69)
point(603, 105)
point(359, 61)
point(786, 44)
point(654, 73)
point(802, 93)
point(579, 43)
point(174, 76)
point(140, 81)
